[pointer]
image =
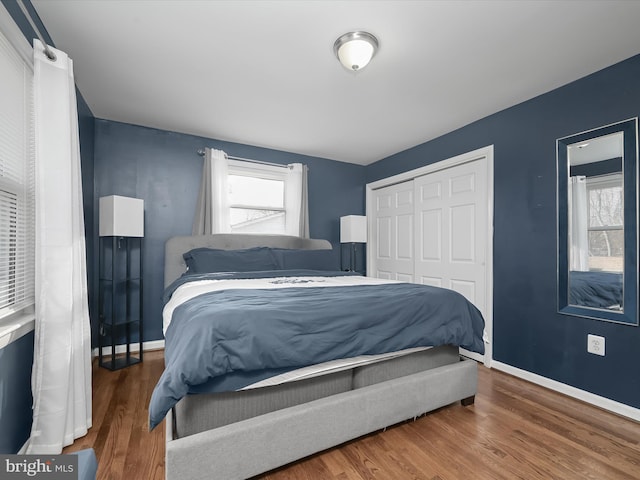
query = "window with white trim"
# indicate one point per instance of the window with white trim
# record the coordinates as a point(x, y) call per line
point(17, 181)
point(263, 198)
point(256, 197)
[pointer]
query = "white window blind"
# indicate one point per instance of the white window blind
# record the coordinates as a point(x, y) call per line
point(17, 182)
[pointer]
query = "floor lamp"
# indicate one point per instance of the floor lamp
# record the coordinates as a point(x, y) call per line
point(121, 231)
point(353, 229)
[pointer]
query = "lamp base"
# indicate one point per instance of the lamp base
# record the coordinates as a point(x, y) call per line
point(352, 266)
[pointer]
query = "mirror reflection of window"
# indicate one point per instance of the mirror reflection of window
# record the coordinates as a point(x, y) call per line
point(596, 204)
point(596, 222)
point(606, 224)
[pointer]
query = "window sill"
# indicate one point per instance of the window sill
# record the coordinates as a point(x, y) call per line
point(14, 327)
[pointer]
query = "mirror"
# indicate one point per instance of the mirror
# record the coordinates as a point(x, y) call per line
point(598, 223)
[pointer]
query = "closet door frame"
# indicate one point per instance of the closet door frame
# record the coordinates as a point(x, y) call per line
point(486, 153)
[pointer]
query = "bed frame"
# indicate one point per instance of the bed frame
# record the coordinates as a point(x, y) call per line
point(279, 425)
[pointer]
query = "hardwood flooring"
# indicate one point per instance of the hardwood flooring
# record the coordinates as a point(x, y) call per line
point(515, 430)
point(120, 436)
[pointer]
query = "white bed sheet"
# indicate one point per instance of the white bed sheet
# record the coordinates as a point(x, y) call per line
point(330, 367)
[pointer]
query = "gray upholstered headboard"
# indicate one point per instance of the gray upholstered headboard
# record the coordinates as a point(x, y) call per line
point(174, 265)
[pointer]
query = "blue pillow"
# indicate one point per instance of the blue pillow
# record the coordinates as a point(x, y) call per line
point(305, 259)
point(210, 260)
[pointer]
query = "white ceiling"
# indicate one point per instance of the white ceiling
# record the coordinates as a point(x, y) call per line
point(264, 73)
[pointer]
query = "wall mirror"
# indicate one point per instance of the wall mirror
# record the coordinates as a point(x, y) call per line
point(598, 223)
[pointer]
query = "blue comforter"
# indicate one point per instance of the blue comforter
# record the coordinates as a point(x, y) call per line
point(595, 289)
point(239, 330)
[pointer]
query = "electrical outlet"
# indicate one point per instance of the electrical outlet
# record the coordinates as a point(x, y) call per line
point(595, 345)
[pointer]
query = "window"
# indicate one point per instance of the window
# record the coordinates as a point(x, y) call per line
point(606, 224)
point(261, 198)
point(17, 180)
point(256, 198)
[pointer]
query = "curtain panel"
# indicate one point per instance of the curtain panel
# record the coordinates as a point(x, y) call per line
point(212, 210)
point(578, 225)
point(61, 378)
point(297, 203)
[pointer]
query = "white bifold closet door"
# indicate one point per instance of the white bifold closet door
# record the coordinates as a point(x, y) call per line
point(451, 219)
point(393, 228)
point(433, 230)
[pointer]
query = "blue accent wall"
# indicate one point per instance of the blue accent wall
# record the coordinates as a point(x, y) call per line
point(528, 332)
point(164, 169)
point(86, 123)
point(15, 393)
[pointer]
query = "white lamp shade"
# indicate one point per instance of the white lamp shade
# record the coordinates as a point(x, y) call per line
point(353, 229)
point(121, 217)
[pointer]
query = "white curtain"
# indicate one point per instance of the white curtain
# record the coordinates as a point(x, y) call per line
point(61, 378)
point(578, 224)
point(212, 212)
point(297, 201)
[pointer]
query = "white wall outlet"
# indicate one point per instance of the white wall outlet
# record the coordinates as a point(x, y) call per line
point(595, 344)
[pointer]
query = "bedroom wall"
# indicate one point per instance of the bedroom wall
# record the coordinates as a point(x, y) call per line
point(16, 359)
point(164, 169)
point(528, 332)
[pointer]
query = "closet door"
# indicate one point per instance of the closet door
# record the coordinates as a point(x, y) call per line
point(451, 225)
point(393, 230)
point(434, 226)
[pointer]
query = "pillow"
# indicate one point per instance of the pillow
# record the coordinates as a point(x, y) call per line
point(210, 260)
point(305, 259)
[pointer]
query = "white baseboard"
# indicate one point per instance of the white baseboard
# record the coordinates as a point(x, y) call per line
point(588, 397)
point(152, 345)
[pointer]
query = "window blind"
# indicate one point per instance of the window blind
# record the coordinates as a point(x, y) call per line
point(17, 182)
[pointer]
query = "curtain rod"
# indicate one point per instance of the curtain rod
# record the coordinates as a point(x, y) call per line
point(47, 51)
point(201, 152)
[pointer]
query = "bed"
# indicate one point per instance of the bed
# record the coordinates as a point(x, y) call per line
point(268, 416)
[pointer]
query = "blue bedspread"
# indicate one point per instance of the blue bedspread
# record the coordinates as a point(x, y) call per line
point(239, 330)
point(595, 289)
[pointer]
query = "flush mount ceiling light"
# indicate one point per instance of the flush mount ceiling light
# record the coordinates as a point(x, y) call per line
point(355, 49)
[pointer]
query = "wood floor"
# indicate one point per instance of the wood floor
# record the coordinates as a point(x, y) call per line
point(515, 430)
